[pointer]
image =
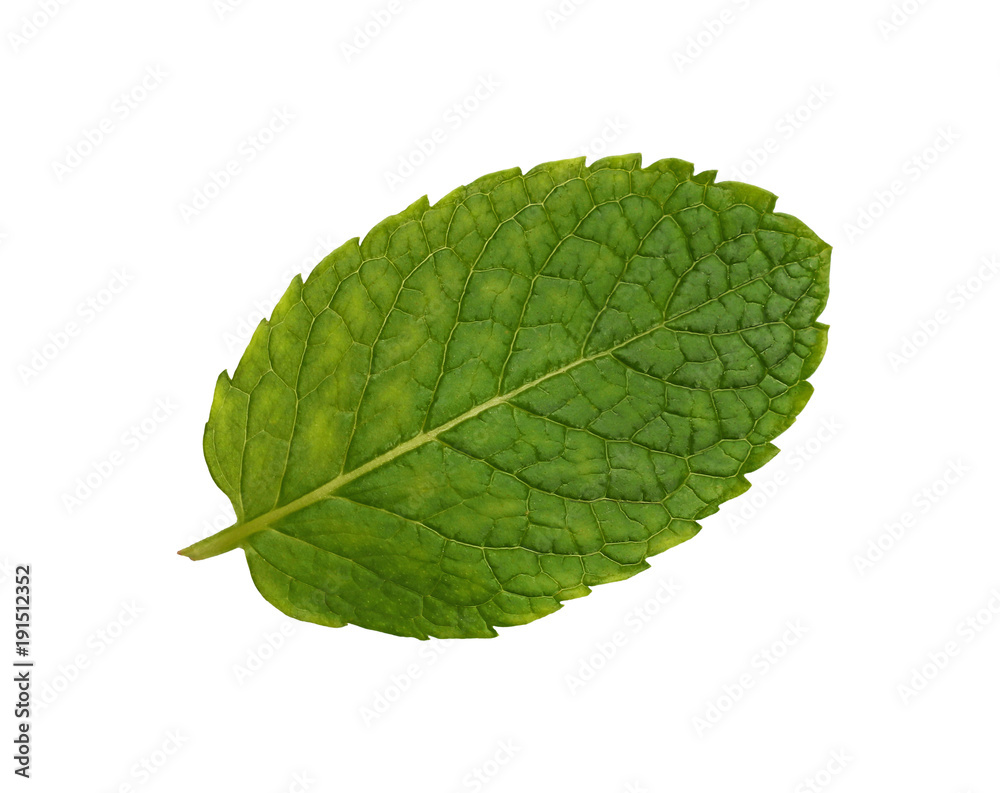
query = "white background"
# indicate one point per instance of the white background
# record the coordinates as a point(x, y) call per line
point(908, 99)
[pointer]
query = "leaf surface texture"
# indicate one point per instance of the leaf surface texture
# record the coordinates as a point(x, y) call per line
point(493, 403)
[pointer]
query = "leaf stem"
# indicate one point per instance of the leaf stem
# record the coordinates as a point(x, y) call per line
point(225, 540)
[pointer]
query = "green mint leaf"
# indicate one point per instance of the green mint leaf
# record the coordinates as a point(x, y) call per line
point(491, 404)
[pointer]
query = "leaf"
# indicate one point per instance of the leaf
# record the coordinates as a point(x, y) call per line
point(491, 404)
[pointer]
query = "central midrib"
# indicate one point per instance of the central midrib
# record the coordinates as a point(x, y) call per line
point(232, 537)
